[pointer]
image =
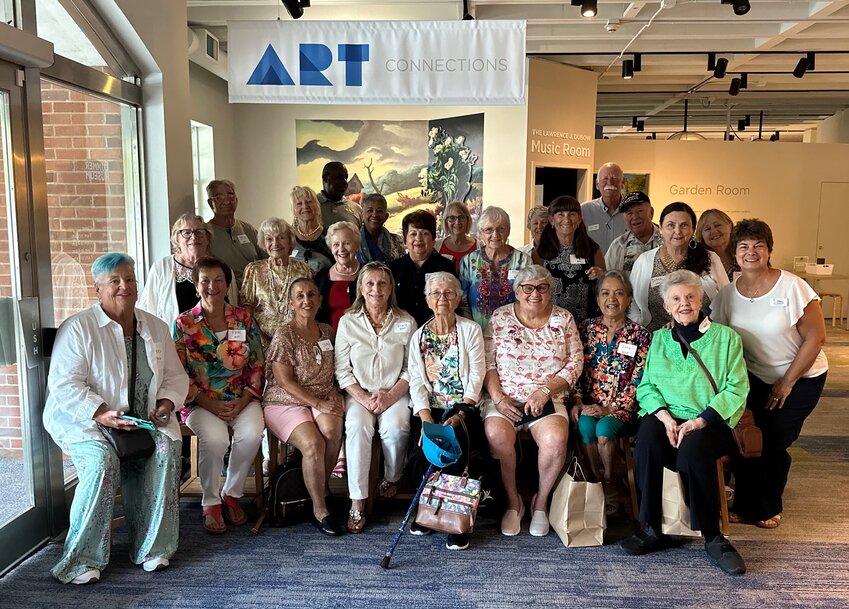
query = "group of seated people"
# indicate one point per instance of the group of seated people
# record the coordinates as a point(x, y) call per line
point(327, 333)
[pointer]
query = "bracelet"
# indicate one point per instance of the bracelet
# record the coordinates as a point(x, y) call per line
point(545, 390)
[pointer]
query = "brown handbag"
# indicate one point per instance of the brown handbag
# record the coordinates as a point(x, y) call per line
point(747, 436)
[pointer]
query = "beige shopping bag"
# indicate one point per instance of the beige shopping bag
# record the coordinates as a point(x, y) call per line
point(577, 509)
point(676, 514)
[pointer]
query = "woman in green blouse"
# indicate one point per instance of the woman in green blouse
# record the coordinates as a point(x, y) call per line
point(685, 423)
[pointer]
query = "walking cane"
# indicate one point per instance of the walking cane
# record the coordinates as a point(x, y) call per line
point(388, 556)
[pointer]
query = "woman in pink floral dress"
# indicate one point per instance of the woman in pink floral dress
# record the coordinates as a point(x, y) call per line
point(533, 359)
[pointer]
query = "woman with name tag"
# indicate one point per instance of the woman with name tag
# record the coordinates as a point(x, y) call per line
point(574, 260)
point(109, 361)
point(680, 250)
point(221, 350)
point(533, 361)
point(446, 366)
point(456, 224)
point(302, 405)
point(371, 368)
point(779, 317)
point(338, 284)
point(714, 232)
point(692, 394)
point(487, 273)
point(615, 351)
point(310, 245)
point(265, 288)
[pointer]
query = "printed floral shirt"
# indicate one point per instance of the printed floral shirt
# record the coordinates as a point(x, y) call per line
point(613, 371)
point(441, 355)
point(527, 358)
point(488, 285)
point(223, 369)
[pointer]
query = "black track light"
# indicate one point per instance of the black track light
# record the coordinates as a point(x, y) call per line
point(734, 89)
point(711, 62)
point(748, 119)
point(721, 66)
point(467, 16)
point(741, 124)
point(634, 122)
point(589, 8)
point(801, 68)
point(744, 80)
point(638, 62)
point(628, 69)
point(296, 7)
point(641, 126)
point(775, 136)
point(654, 135)
point(577, 2)
point(812, 62)
point(741, 7)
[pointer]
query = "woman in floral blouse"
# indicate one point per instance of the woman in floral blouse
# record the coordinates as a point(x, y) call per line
point(533, 361)
point(221, 350)
point(487, 273)
point(265, 287)
point(614, 356)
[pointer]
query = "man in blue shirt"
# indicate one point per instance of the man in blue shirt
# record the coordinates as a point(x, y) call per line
point(602, 217)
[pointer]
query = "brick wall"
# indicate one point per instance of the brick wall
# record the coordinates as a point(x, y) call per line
point(86, 210)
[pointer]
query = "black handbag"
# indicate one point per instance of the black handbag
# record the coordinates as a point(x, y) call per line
point(130, 444)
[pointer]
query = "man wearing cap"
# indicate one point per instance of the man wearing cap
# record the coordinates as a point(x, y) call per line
point(642, 234)
point(603, 217)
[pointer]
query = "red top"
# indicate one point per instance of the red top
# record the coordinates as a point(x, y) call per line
point(457, 255)
point(338, 302)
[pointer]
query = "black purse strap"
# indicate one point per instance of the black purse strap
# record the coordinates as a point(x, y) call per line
point(698, 359)
point(131, 388)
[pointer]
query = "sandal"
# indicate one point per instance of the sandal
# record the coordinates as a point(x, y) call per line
point(340, 469)
point(356, 521)
point(386, 489)
point(735, 518)
point(769, 523)
point(233, 512)
point(213, 522)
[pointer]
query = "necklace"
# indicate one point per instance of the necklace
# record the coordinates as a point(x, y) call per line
point(757, 292)
point(668, 261)
point(374, 323)
point(308, 236)
point(347, 273)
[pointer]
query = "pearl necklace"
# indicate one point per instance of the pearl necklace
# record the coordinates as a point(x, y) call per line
point(347, 273)
point(308, 236)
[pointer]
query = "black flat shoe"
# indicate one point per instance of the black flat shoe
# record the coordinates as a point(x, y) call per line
point(723, 555)
point(646, 541)
point(327, 526)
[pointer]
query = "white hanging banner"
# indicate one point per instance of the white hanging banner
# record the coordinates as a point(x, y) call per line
point(377, 62)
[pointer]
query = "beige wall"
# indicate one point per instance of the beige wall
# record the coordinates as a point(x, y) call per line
point(210, 106)
point(777, 182)
point(266, 160)
point(561, 122)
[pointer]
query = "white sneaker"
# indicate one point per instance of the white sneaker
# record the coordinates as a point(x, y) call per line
point(539, 524)
point(89, 577)
point(155, 564)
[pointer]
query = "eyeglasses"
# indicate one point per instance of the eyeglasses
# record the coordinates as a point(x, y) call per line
point(501, 230)
point(185, 233)
point(230, 196)
point(447, 294)
point(455, 218)
point(529, 288)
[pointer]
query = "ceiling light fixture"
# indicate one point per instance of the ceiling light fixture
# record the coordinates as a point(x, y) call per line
point(734, 89)
point(775, 136)
point(812, 62)
point(741, 124)
point(741, 7)
point(801, 68)
point(641, 126)
point(748, 119)
point(296, 7)
point(721, 66)
point(634, 120)
point(744, 80)
point(711, 62)
point(467, 16)
point(589, 8)
point(638, 62)
point(628, 69)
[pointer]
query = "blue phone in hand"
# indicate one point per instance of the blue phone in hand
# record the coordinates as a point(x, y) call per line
point(142, 423)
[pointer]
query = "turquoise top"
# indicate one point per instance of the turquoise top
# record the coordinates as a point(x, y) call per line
point(681, 386)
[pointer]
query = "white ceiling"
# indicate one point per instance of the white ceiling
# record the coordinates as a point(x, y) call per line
point(673, 38)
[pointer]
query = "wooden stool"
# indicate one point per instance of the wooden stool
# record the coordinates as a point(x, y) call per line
point(254, 486)
point(836, 307)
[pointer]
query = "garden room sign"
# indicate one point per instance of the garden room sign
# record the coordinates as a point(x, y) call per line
point(379, 62)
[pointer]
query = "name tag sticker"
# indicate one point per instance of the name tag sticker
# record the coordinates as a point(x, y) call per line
point(575, 260)
point(556, 322)
point(448, 257)
point(511, 274)
point(294, 254)
point(627, 349)
point(237, 335)
point(778, 302)
point(703, 327)
point(656, 281)
point(592, 227)
point(325, 345)
point(402, 326)
point(243, 239)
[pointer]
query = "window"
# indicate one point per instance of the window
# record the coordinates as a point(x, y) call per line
point(203, 165)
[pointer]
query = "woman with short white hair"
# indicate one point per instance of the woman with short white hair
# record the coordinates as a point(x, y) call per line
point(534, 360)
point(338, 284)
point(537, 221)
point(486, 274)
point(169, 289)
point(265, 288)
point(446, 366)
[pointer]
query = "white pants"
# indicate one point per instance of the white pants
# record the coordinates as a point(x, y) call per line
point(213, 441)
point(394, 429)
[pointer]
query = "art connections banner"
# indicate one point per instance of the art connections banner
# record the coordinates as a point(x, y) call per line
point(380, 62)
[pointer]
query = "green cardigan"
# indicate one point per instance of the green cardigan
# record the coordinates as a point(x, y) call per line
point(681, 386)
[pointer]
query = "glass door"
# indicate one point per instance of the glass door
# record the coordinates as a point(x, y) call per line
point(23, 455)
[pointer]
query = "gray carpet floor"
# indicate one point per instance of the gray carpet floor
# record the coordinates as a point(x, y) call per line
point(804, 563)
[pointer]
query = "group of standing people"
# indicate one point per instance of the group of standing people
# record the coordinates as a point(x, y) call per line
point(332, 329)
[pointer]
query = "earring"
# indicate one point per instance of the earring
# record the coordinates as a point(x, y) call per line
point(693, 243)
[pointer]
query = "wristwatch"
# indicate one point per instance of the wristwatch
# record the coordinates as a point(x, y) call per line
point(545, 390)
